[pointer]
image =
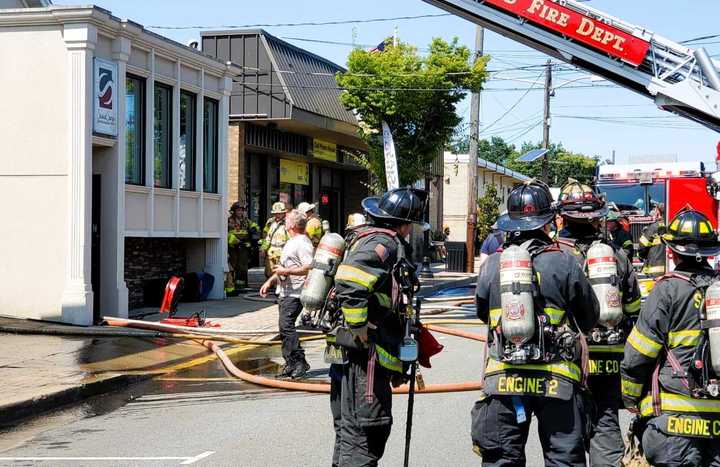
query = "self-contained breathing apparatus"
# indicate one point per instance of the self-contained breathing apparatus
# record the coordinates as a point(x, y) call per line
point(523, 333)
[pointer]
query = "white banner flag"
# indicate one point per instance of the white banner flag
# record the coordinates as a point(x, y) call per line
point(391, 168)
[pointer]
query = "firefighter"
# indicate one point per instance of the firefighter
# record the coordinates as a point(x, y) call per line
point(621, 238)
point(582, 210)
point(314, 227)
point(652, 250)
point(374, 328)
point(275, 237)
point(665, 369)
point(543, 375)
point(241, 232)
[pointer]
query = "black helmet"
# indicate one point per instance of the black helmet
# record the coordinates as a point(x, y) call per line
point(579, 202)
point(691, 234)
point(237, 205)
point(529, 207)
point(401, 205)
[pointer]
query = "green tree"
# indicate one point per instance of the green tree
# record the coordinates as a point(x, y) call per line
point(487, 210)
point(416, 95)
point(495, 150)
point(563, 164)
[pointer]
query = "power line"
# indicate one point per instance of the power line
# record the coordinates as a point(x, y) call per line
point(309, 23)
point(532, 86)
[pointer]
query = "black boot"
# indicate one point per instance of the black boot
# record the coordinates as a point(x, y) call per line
point(287, 370)
point(300, 370)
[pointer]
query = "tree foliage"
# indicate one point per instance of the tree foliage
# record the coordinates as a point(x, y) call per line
point(415, 94)
point(487, 211)
point(563, 164)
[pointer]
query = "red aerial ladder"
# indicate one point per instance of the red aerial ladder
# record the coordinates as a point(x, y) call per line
point(677, 78)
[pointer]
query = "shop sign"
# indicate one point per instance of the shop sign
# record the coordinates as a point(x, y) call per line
point(590, 31)
point(324, 150)
point(105, 97)
point(294, 172)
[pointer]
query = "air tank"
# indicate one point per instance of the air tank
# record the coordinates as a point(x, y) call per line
point(712, 310)
point(319, 280)
point(603, 275)
point(516, 298)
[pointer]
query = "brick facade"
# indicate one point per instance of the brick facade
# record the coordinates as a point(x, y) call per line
point(151, 258)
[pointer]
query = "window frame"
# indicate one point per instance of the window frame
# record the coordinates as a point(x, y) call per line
point(215, 140)
point(192, 126)
point(140, 122)
point(168, 165)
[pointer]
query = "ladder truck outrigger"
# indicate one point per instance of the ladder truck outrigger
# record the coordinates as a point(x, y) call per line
point(679, 79)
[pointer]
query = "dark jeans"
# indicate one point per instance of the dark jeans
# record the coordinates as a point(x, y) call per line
point(364, 426)
point(290, 309)
point(606, 445)
point(663, 450)
point(501, 440)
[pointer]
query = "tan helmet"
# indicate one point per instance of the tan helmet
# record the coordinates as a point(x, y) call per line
point(305, 207)
point(355, 220)
point(278, 208)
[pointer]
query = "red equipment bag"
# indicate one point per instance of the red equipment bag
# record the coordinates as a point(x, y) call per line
point(173, 293)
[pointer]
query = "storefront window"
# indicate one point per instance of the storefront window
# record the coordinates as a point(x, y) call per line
point(187, 141)
point(163, 136)
point(135, 130)
point(210, 151)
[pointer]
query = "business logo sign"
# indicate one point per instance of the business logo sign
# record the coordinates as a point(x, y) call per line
point(105, 97)
point(571, 23)
point(324, 150)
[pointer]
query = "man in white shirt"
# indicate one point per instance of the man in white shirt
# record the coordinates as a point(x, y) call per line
point(295, 262)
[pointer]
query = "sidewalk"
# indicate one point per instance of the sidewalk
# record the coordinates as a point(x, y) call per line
point(46, 365)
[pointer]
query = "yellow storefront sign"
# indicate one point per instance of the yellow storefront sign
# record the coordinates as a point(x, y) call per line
point(294, 172)
point(324, 150)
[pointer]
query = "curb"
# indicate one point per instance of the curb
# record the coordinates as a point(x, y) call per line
point(14, 412)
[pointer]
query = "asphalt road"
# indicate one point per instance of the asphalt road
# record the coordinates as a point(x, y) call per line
point(201, 417)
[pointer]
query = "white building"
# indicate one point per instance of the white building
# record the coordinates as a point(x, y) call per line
point(112, 163)
point(456, 189)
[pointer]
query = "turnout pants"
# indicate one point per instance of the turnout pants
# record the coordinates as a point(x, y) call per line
point(239, 262)
point(500, 438)
point(290, 308)
point(663, 450)
point(606, 446)
point(364, 424)
point(336, 408)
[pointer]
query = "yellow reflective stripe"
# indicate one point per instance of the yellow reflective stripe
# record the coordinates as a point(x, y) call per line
point(556, 315)
point(643, 344)
point(653, 269)
point(356, 275)
point(388, 361)
point(495, 314)
point(330, 339)
point(679, 403)
point(627, 243)
point(618, 348)
point(567, 369)
point(632, 307)
point(644, 241)
point(355, 315)
point(631, 389)
point(383, 300)
point(687, 337)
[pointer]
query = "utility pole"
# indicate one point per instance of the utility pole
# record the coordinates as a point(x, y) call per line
point(546, 121)
point(613, 157)
point(472, 161)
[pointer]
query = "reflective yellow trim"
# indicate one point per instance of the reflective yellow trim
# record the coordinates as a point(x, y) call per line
point(387, 360)
point(643, 344)
point(567, 369)
point(618, 348)
point(627, 243)
point(678, 403)
point(356, 275)
point(687, 337)
point(495, 315)
point(644, 241)
point(632, 307)
point(330, 339)
point(653, 269)
point(556, 315)
point(383, 300)
point(355, 315)
point(631, 389)
point(674, 226)
point(704, 228)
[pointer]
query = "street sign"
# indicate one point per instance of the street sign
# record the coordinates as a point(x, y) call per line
point(533, 155)
point(391, 169)
point(582, 28)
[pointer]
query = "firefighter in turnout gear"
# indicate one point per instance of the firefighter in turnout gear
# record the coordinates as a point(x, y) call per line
point(241, 233)
point(314, 227)
point(374, 325)
point(621, 238)
point(618, 295)
point(537, 302)
point(275, 237)
point(667, 372)
point(652, 250)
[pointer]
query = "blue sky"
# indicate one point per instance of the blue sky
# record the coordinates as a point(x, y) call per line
point(644, 130)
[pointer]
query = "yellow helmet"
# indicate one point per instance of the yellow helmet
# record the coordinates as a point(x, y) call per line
point(278, 208)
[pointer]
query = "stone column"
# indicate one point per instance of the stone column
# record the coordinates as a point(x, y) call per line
point(77, 297)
